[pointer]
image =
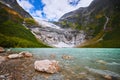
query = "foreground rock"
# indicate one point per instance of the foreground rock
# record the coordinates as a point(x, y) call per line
point(14, 56)
point(48, 66)
point(20, 55)
point(26, 54)
point(2, 49)
point(2, 59)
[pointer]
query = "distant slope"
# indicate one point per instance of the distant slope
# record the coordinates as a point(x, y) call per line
point(12, 32)
point(15, 6)
point(100, 21)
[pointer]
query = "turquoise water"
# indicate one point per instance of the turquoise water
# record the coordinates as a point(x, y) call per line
point(94, 58)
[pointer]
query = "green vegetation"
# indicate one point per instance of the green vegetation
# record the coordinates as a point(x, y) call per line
point(93, 41)
point(100, 26)
point(78, 27)
point(3, 15)
point(66, 24)
point(111, 37)
point(7, 41)
point(13, 33)
point(30, 21)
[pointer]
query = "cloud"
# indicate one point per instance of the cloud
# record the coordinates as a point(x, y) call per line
point(85, 3)
point(54, 9)
point(73, 2)
point(26, 5)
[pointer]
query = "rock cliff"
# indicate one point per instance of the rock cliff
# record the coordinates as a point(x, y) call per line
point(99, 21)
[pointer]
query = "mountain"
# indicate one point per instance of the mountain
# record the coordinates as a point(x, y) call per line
point(57, 37)
point(100, 21)
point(15, 6)
point(97, 25)
point(13, 30)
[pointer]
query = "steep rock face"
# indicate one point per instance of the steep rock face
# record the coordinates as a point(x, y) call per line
point(99, 21)
point(89, 15)
point(59, 37)
point(15, 6)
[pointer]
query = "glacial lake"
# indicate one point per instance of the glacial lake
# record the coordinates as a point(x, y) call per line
point(86, 63)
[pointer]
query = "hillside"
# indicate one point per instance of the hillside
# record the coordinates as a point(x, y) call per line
point(95, 26)
point(12, 31)
point(100, 21)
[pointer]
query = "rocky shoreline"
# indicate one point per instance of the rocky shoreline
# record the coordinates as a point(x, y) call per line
point(27, 66)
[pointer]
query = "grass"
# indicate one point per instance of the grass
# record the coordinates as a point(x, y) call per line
point(13, 33)
point(111, 38)
point(30, 21)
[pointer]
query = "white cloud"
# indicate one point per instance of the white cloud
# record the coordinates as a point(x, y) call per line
point(85, 3)
point(38, 15)
point(25, 4)
point(53, 9)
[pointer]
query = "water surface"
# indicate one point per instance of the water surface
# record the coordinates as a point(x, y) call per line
point(94, 58)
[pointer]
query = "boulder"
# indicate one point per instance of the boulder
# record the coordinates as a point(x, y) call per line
point(48, 66)
point(14, 56)
point(2, 49)
point(26, 54)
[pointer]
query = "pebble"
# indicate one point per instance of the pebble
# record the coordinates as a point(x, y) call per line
point(67, 57)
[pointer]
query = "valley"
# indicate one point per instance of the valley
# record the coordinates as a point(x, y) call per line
point(95, 26)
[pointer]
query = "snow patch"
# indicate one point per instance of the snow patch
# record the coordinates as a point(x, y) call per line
point(47, 24)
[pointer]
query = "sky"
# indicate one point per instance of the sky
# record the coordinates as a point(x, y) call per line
point(51, 10)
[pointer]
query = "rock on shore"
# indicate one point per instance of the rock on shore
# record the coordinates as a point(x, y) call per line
point(26, 54)
point(2, 49)
point(2, 59)
point(48, 66)
point(20, 55)
point(14, 56)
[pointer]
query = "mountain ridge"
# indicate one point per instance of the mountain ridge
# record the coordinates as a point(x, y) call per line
point(93, 19)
